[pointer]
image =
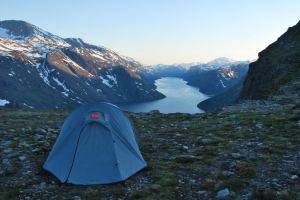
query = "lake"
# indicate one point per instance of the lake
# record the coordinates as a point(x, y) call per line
point(180, 97)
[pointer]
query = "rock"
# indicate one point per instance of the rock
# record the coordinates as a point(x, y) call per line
point(193, 181)
point(8, 167)
point(11, 170)
point(23, 144)
point(42, 185)
point(50, 130)
point(186, 158)
point(35, 150)
point(155, 187)
point(236, 155)
point(259, 125)
point(12, 155)
point(40, 131)
point(6, 142)
point(76, 198)
point(38, 137)
point(223, 193)
point(22, 158)
point(5, 161)
point(185, 148)
point(8, 150)
point(294, 177)
point(205, 141)
point(227, 173)
point(252, 156)
point(202, 193)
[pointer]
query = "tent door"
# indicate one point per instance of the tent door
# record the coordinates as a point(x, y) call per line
point(94, 160)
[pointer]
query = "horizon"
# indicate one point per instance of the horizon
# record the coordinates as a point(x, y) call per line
point(168, 32)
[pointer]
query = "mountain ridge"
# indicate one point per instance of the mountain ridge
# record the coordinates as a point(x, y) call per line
point(277, 65)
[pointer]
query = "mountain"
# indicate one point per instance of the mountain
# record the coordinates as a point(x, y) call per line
point(223, 62)
point(42, 70)
point(213, 80)
point(277, 66)
point(228, 97)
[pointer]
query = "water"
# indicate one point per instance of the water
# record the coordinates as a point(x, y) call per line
point(180, 97)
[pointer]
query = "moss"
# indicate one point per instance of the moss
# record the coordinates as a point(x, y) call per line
point(141, 195)
point(164, 176)
point(272, 195)
point(246, 171)
point(208, 185)
point(9, 193)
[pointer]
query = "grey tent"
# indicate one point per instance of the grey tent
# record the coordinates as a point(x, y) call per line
point(96, 145)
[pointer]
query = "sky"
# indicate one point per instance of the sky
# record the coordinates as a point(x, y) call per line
point(164, 31)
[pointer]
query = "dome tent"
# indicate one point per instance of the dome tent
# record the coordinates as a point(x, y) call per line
point(96, 145)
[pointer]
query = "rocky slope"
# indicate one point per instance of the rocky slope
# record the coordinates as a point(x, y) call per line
point(41, 70)
point(246, 151)
point(278, 64)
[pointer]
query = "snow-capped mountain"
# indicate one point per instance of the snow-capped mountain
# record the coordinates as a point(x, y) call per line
point(42, 70)
point(222, 61)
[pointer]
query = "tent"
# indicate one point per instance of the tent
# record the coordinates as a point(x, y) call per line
point(96, 145)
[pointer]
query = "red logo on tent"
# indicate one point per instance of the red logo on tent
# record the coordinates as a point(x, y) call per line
point(95, 116)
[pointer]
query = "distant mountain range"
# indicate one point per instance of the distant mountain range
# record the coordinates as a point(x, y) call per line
point(42, 70)
point(211, 78)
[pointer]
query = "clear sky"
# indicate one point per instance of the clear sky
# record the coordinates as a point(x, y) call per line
point(164, 31)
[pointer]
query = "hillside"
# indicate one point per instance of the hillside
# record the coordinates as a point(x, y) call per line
point(251, 149)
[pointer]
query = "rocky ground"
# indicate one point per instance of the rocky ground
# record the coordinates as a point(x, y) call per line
point(246, 151)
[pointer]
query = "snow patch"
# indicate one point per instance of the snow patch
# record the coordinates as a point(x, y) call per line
point(112, 78)
point(4, 33)
point(80, 43)
point(66, 90)
point(3, 102)
point(12, 73)
point(28, 106)
point(106, 82)
point(87, 83)
point(224, 86)
point(44, 73)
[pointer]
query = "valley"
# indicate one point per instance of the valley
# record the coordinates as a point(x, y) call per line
point(38, 65)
